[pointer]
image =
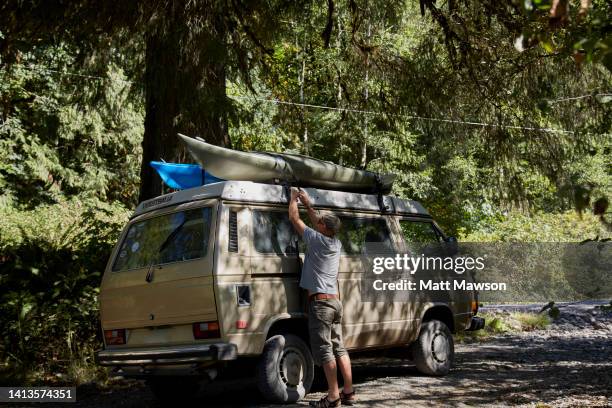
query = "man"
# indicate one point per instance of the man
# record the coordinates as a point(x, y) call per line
point(320, 279)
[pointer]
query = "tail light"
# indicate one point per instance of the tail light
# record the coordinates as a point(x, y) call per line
point(475, 304)
point(114, 337)
point(474, 307)
point(206, 330)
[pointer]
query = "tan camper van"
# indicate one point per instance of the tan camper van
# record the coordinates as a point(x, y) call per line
point(205, 277)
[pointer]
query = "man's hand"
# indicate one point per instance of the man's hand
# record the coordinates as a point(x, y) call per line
point(295, 194)
point(294, 214)
point(303, 196)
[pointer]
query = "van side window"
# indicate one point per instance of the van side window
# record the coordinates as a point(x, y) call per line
point(356, 232)
point(418, 231)
point(174, 237)
point(273, 233)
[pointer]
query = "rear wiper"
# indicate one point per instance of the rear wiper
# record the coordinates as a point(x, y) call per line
point(171, 236)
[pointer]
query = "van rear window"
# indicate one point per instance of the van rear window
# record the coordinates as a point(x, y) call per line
point(174, 237)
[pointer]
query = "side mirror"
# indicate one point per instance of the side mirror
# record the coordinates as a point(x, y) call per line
point(452, 246)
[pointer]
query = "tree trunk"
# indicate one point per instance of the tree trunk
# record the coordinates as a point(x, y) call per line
point(160, 141)
point(185, 90)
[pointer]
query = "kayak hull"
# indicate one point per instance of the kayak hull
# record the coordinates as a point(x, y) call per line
point(280, 168)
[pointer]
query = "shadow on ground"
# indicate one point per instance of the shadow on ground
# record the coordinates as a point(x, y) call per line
point(506, 370)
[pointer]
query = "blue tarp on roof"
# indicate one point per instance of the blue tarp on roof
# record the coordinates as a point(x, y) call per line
point(181, 176)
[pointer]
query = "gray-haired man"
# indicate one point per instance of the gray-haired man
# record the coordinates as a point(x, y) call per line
point(319, 278)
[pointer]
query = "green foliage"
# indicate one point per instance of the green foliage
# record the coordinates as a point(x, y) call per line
point(554, 313)
point(52, 259)
point(408, 116)
point(542, 227)
point(524, 169)
point(257, 130)
point(531, 321)
point(65, 135)
point(497, 323)
point(444, 101)
point(585, 34)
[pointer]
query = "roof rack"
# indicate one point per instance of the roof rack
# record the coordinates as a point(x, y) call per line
point(247, 191)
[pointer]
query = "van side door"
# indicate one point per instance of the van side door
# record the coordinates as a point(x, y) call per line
point(275, 265)
point(365, 324)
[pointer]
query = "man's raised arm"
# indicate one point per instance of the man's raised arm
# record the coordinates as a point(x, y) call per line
point(294, 213)
point(312, 214)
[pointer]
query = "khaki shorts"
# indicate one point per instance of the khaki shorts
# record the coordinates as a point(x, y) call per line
point(325, 328)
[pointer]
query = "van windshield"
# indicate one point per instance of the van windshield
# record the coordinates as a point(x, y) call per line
point(174, 237)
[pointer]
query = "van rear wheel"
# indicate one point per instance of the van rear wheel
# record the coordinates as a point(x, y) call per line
point(286, 369)
point(434, 351)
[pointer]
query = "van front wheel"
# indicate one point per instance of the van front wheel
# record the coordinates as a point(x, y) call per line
point(434, 350)
point(286, 369)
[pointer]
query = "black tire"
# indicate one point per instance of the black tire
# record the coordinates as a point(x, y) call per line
point(434, 351)
point(285, 370)
point(174, 389)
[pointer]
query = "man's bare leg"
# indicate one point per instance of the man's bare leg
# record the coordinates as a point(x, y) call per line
point(332, 380)
point(344, 364)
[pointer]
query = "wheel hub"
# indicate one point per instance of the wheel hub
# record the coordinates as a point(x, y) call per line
point(439, 347)
point(291, 367)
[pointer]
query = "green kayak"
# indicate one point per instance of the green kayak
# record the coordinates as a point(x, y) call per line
point(280, 168)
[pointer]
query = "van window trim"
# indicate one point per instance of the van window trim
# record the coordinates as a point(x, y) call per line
point(388, 224)
point(276, 209)
point(441, 236)
point(163, 212)
point(168, 210)
point(355, 214)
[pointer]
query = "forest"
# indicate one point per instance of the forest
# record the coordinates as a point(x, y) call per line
point(495, 115)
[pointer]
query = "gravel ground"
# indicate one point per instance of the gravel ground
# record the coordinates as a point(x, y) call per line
point(567, 365)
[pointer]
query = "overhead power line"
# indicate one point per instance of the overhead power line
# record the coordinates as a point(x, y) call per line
point(64, 73)
point(574, 98)
point(350, 110)
point(416, 117)
point(72, 74)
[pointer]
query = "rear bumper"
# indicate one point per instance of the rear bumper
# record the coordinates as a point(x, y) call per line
point(477, 323)
point(160, 356)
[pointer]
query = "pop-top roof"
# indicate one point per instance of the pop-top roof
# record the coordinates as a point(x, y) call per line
point(247, 191)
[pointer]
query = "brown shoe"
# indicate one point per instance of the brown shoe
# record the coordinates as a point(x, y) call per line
point(326, 403)
point(348, 399)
